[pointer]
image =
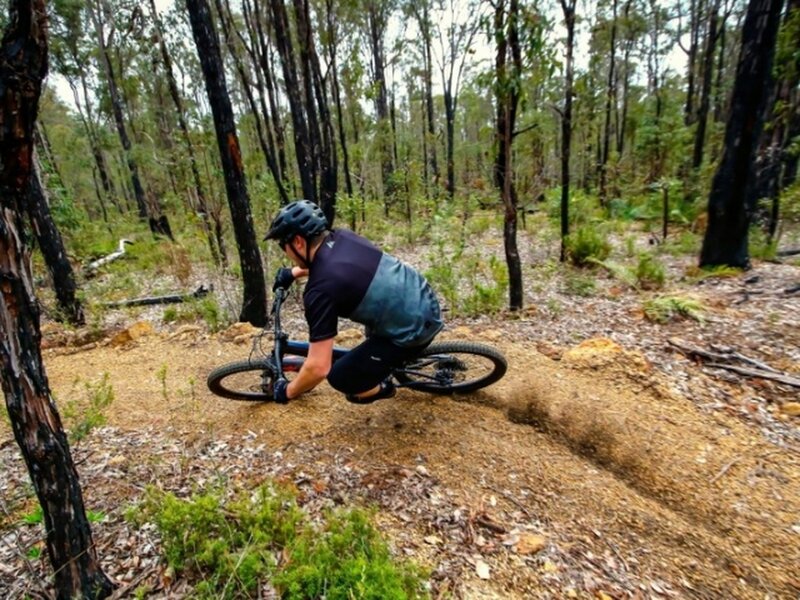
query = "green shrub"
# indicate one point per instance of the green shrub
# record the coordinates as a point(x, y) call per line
point(668, 308)
point(344, 559)
point(81, 417)
point(585, 244)
point(264, 536)
point(579, 284)
point(686, 242)
point(650, 273)
point(760, 246)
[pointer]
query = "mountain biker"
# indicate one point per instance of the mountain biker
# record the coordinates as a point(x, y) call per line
point(349, 277)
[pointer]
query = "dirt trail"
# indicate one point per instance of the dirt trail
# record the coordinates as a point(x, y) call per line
point(594, 448)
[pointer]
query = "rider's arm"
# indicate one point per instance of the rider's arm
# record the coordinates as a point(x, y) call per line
point(297, 272)
point(314, 369)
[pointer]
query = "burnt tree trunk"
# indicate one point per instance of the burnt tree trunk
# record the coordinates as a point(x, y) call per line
point(318, 113)
point(34, 418)
point(507, 96)
point(304, 150)
point(568, 6)
point(267, 147)
point(705, 90)
point(725, 241)
point(266, 70)
point(254, 305)
point(52, 247)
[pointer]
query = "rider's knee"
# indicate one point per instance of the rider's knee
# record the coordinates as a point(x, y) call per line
point(342, 381)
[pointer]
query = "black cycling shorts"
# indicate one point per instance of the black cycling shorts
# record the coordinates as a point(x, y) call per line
point(369, 363)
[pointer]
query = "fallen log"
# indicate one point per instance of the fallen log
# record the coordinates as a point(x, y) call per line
point(168, 299)
point(723, 358)
point(793, 289)
point(779, 377)
point(794, 252)
point(94, 265)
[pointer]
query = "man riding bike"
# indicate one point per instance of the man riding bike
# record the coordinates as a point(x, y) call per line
point(349, 277)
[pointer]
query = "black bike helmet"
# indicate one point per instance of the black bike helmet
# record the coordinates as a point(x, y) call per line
point(301, 217)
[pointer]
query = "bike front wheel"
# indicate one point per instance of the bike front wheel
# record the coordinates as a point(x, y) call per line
point(249, 379)
point(453, 367)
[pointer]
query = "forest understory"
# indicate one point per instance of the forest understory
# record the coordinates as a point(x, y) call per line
point(605, 464)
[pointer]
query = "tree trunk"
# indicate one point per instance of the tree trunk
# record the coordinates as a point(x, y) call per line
point(507, 97)
point(568, 6)
point(705, 91)
point(34, 418)
point(187, 140)
point(99, 159)
point(422, 15)
point(254, 305)
point(377, 23)
point(52, 247)
point(332, 50)
point(117, 110)
point(695, 22)
point(318, 113)
point(610, 95)
point(272, 95)
point(267, 148)
point(725, 241)
point(303, 147)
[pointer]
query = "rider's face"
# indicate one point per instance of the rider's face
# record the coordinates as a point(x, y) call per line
point(294, 249)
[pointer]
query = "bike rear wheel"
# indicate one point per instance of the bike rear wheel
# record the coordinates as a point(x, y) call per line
point(453, 367)
point(249, 379)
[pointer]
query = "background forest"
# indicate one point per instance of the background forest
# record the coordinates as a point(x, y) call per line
point(604, 171)
point(413, 113)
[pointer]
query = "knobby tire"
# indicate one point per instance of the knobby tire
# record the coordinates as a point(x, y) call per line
point(449, 382)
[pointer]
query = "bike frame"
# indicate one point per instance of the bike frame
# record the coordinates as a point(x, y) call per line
point(283, 345)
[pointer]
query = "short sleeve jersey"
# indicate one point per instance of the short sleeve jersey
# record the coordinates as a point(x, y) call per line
point(350, 277)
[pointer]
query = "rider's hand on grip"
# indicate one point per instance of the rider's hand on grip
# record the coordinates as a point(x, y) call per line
point(279, 390)
point(283, 279)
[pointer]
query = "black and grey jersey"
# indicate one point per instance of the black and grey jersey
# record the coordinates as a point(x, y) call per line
point(350, 277)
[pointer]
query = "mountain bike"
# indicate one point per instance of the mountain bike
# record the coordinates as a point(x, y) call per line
point(441, 368)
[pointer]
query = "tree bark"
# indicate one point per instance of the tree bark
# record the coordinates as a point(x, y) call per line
point(254, 305)
point(610, 96)
point(269, 80)
point(568, 7)
point(52, 247)
point(507, 97)
point(725, 241)
point(267, 148)
point(34, 418)
point(318, 113)
point(705, 90)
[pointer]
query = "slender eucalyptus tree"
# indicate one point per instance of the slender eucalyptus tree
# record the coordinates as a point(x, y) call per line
point(377, 17)
point(52, 247)
point(508, 71)
point(568, 8)
point(725, 241)
point(456, 43)
point(97, 11)
point(31, 409)
point(254, 304)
